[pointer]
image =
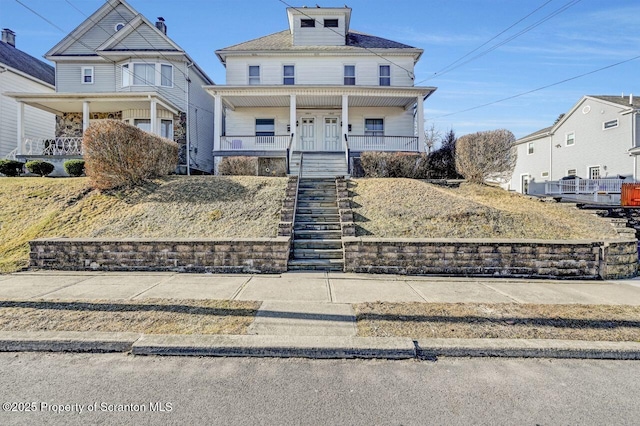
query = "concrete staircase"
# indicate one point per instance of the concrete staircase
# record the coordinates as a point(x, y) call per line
point(319, 164)
point(317, 237)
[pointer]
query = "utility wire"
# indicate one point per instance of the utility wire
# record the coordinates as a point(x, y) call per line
point(409, 72)
point(538, 89)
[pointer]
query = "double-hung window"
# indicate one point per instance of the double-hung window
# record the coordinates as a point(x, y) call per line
point(530, 148)
point(570, 139)
point(147, 74)
point(385, 75)
point(349, 75)
point(289, 75)
point(166, 75)
point(265, 130)
point(254, 74)
point(374, 130)
point(87, 75)
point(144, 74)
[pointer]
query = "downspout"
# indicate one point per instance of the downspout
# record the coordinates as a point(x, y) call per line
point(634, 143)
point(188, 129)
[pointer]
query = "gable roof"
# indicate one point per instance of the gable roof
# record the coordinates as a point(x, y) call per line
point(620, 100)
point(283, 42)
point(23, 62)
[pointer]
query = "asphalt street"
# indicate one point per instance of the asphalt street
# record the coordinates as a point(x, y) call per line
point(69, 389)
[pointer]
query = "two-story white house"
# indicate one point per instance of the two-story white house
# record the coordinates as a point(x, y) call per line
point(21, 71)
point(597, 138)
point(118, 65)
point(321, 89)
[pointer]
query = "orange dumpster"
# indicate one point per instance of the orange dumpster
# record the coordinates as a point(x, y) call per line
point(630, 195)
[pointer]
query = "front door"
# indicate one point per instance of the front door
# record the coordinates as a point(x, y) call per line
point(308, 135)
point(331, 134)
point(524, 184)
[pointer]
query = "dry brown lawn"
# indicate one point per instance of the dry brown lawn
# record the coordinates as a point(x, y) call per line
point(151, 316)
point(177, 206)
point(499, 320)
point(412, 208)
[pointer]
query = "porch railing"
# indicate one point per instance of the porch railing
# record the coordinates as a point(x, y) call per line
point(52, 146)
point(383, 143)
point(254, 143)
point(584, 186)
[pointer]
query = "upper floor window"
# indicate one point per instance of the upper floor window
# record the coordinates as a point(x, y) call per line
point(254, 74)
point(530, 148)
point(350, 75)
point(385, 75)
point(331, 23)
point(289, 75)
point(87, 75)
point(610, 124)
point(146, 74)
point(374, 127)
point(166, 75)
point(570, 139)
point(307, 23)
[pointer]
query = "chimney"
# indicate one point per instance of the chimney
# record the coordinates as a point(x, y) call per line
point(631, 99)
point(161, 25)
point(9, 37)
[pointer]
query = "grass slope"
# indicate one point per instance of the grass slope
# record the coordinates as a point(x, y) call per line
point(177, 206)
point(412, 208)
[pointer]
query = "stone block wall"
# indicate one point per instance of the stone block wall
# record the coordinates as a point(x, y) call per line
point(496, 258)
point(258, 255)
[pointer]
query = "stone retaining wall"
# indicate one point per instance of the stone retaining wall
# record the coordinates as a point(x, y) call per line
point(497, 258)
point(256, 255)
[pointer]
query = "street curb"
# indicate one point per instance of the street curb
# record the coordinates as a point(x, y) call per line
point(320, 347)
point(527, 348)
point(66, 341)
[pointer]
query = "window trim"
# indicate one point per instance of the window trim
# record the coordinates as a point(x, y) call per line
point(255, 126)
point(307, 23)
point(566, 139)
point(82, 76)
point(344, 74)
point(373, 118)
point(604, 124)
point(380, 76)
point(530, 148)
point(172, 75)
point(284, 77)
point(336, 20)
point(259, 77)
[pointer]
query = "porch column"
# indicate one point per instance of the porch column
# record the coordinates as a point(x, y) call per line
point(85, 116)
point(217, 121)
point(292, 113)
point(154, 117)
point(20, 128)
point(345, 118)
point(420, 123)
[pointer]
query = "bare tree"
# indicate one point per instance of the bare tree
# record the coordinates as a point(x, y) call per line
point(431, 136)
point(486, 156)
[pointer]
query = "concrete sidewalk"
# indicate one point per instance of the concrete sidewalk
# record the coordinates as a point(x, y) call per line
point(309, 314)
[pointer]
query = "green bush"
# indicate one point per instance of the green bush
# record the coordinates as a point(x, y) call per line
point(11, 167)
point(75, 168)
point(39, 167)
point(117, 155)
point(395, 164)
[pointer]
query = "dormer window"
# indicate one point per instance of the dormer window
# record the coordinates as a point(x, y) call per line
point(307, 23)
point(331, 23)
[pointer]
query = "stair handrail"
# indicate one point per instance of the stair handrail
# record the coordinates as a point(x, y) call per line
point(289, 153)
point(346, 144)
point(295, 200)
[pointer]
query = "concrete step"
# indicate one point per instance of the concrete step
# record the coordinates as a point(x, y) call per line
point(317, 254)
point(316, 265)
point(317, 204)
point(319, 211)
point(317, 226)
point(307, 234)
point(318, 244)
point(317, 218)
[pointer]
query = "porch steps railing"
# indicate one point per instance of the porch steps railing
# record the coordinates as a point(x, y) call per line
point(52, 146)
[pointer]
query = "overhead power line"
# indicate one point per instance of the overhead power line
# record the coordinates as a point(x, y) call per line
point(538, 89)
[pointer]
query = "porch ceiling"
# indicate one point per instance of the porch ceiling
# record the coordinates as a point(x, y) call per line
point(59, 103)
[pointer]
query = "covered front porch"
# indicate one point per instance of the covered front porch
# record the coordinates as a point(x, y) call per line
point(282, 120)
point(74, 113)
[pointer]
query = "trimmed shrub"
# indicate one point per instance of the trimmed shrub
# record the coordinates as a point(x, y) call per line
point(395, 164)
point(39, 167)
point(485, 156)
point(75, 168)
point(117, 155)
point(238, 166)
point(11, 168)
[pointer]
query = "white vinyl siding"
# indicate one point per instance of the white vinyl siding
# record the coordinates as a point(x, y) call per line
point(312, 70)
point(69, 78)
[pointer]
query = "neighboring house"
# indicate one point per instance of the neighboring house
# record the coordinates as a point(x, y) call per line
point(118, 65)
point(598, 138)
point(20, 71)
point(319, 88)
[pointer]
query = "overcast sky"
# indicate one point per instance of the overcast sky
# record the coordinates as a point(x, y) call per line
point(560, 39)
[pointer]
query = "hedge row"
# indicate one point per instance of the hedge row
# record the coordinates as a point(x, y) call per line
point(117, 154)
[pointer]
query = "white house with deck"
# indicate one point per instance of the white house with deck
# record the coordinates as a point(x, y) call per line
point(318, 94)
point(597, 141)
point(21, 71)
point(118, 65)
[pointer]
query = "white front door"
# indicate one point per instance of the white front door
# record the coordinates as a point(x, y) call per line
point(308, 135)
point(331, 134)
point(524, 184)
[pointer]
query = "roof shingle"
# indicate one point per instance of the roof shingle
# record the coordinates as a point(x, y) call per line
point(620, 100)
point(26, 63)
